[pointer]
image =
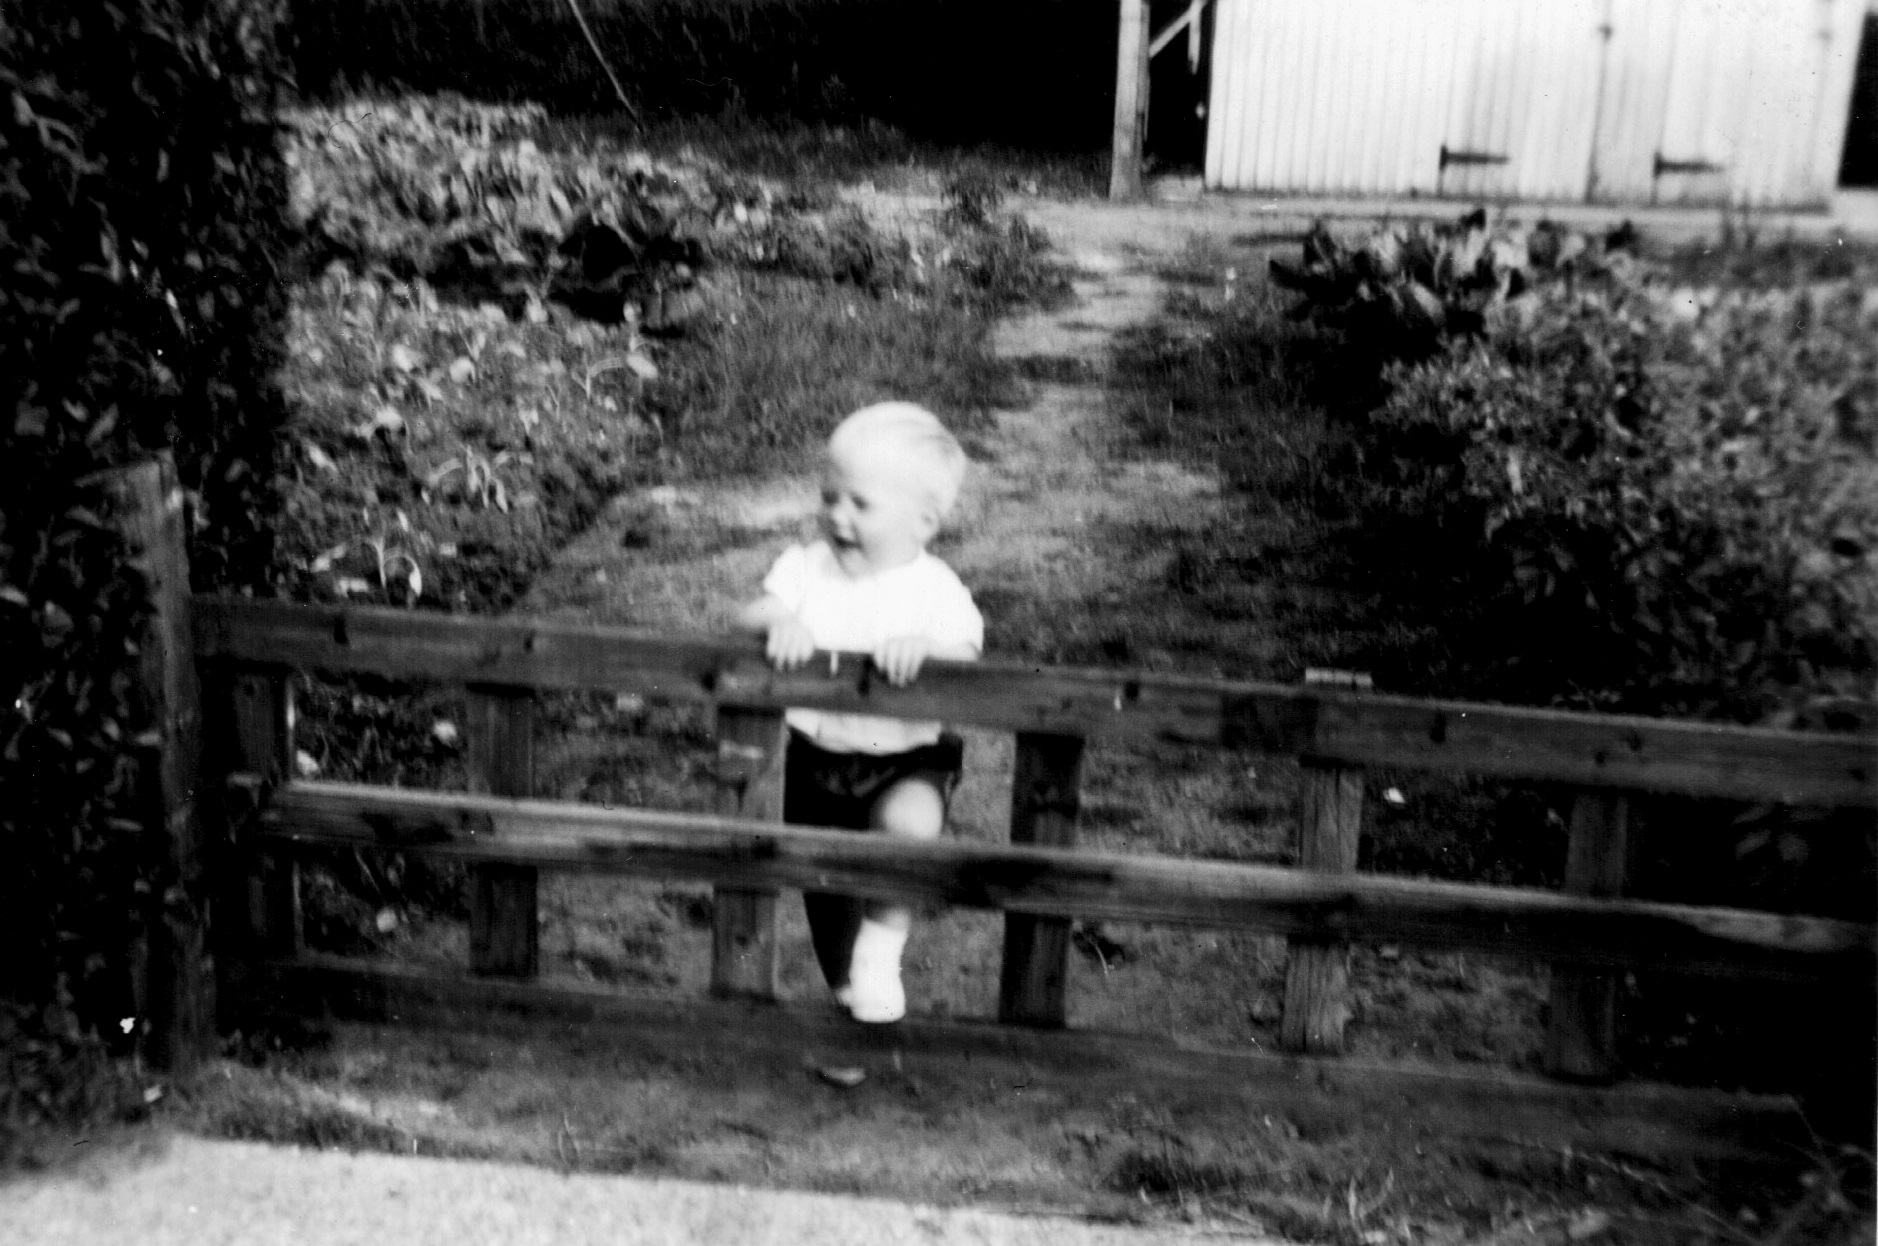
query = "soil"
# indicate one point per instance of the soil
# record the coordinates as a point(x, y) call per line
point(1070, 535)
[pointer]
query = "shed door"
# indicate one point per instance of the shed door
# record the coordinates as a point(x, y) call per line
point(1524, 119)
point(1725, 101)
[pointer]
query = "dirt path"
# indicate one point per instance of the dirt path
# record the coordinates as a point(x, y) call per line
point(1065, 529)
point(1045, 480)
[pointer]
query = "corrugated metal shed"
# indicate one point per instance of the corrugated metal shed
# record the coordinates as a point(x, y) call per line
point(1665, 101)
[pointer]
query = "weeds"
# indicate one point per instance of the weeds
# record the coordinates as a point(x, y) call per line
point(475, 478)
point(756, 389)
point(55, 1072)
point(812, 157)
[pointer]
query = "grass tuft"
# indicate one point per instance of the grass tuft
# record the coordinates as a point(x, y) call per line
point(755, 390)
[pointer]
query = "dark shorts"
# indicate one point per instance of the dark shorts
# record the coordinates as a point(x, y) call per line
point(821, 788)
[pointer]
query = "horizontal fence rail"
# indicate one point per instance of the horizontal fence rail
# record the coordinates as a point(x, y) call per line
point(1068, 883)
point(1324, 725)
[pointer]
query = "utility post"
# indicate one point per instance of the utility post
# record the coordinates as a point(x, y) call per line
point(1131, 101)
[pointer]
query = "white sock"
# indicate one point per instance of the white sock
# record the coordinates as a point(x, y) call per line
point(875, 993)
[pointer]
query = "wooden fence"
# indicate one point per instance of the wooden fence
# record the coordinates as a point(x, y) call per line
point(247, 650)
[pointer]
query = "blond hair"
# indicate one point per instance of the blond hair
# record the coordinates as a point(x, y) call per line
point(916, 432)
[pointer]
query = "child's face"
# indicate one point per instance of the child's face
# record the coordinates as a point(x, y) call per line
point(876, 512)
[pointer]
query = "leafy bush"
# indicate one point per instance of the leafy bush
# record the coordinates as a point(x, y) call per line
point(53, 1070)
point(997, 255)
point(1400, 293)
point(1623, 497)
point(141, 186)
point(462, 196)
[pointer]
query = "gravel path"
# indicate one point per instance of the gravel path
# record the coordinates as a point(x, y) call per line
point(191, 1192)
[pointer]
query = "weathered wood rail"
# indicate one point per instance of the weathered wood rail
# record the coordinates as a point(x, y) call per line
point(1328, 725)
point(248, 651)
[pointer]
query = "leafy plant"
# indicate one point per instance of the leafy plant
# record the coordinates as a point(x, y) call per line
point(143, 194)
point(462, 196)
point(1398, 294)
point(1627, 501)
point(971, 200)
point(474, 477)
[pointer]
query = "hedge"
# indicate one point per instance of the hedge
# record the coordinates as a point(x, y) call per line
point(1593, 486)
point(141, 230)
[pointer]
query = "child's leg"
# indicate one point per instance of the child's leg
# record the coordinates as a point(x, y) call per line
point(813, 796)
point(833, 922)
point(911, 809)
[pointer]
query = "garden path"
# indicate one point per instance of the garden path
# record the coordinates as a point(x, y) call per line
point(1065, 527)
point(1048, 474)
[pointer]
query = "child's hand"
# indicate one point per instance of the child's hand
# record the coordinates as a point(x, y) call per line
point(899, 659)
point(788, 644)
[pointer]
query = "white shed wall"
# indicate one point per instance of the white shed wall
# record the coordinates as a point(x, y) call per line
point(1671, 101)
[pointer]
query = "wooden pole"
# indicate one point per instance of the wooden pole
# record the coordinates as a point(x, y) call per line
point(260, 890)
point(1317, 976)
point(505, 921)
point(1131, 101)
point(1045, 799)
point(750, 745)
point(1581, 1040)
point(178, 1031)
point(1330, 831)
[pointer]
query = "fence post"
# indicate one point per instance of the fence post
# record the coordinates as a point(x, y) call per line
point(744, 946)
point(1329, 833)
point(1581, 1038)
point(260, 714)
point(505, 922)
point(147, 507)
point(1045, 798)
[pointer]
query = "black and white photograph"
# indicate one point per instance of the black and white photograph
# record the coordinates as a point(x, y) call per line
point(876, 622)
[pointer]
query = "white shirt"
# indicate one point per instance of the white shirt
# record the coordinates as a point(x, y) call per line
point(920, 598)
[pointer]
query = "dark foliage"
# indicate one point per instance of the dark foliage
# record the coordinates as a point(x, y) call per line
point(1581, 484)
point(141, 224)
point(1037, 74)
point(1398, 296)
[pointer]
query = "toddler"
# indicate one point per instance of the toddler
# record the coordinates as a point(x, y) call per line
point(891, 474)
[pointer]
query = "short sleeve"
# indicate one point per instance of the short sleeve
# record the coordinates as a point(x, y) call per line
point(788, 578)
point(955, 617)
